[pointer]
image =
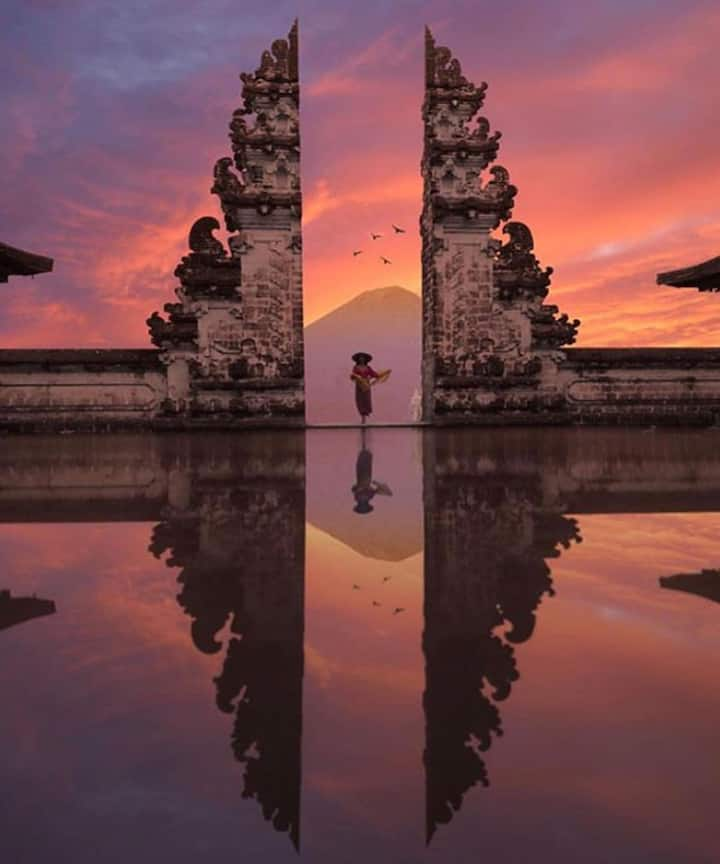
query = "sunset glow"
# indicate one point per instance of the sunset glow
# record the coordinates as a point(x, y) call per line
point(113, 120)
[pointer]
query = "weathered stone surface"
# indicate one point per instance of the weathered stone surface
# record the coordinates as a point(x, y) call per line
point(71, 388)
point(489, 342)
point(494, 352)
point(230, 349)
point(646, 386)
point(233, 345)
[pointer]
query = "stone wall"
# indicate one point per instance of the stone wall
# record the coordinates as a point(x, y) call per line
point(230, 349)
point(234, 343)
point(486, 328)
point(649, 386)
point(69, 388)
point(493, 351)
point(598, 386)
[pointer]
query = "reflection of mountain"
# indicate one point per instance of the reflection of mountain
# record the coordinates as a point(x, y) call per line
point(487, 535)
point(16, 610)
point(705, 584)
point(230, 509)
point(393, 531)
point(240, 541)
point(385, 322)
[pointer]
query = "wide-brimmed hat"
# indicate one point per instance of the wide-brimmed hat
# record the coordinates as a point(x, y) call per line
point(362, 357)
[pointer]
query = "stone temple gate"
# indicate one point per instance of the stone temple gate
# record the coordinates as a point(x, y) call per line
point(229, 350)
point(233, 345)
point(489, 340)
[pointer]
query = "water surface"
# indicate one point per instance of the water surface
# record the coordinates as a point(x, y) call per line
point(409, 646)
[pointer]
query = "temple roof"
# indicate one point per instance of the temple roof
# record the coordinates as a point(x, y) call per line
point(18, 262)
point(704, 276)
point(706, 583)
point(16, 610)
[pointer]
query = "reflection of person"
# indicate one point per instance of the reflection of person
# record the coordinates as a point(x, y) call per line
point(365, 488)
point(364, 377)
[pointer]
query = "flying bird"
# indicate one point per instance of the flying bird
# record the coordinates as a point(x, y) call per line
point(387, 578)
point(398, 230)
point(375, 603)
point(375, 236)
point(397, 610)
point(385, 260)
point(356, 587)
point(357, 252)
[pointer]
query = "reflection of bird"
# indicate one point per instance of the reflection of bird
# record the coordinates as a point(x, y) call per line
point(375, 603)
point(375, 236)
point(398, 230)
point(397, 610)
point(356, 587)
point(357, 252)
point(385, 260)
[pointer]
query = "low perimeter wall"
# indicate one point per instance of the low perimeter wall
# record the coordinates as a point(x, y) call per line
point(593, 386)
point(80, 388)
point(649, 386)
point(110, 388)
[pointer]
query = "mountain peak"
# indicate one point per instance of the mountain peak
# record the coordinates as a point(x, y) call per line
point(384, 321)
point(389, 298)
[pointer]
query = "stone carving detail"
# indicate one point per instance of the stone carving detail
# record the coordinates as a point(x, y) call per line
point(208, 271)
point(235, 339)
point(229, 189)
point(264, 134)
point(517, 271)
point(489, 342)
point(551, 330)
point(201, 239)
point(179, 330)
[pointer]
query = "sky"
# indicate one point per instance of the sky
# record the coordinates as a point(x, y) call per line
point(114, 114)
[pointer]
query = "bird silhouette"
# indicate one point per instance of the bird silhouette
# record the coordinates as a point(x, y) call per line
point(375, 603)
point(397, 610)
point(375, 236)
point(398, 230)
point(356, 587)
point(385, 260)
point(387, 578)
point(357, 252)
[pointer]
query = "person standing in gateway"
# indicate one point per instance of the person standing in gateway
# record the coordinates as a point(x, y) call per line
point(365, 377)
